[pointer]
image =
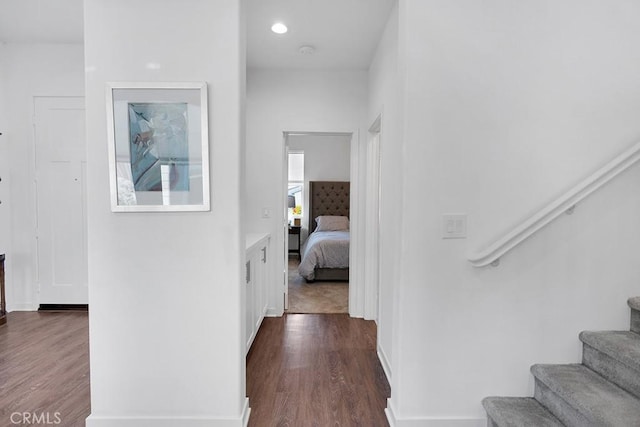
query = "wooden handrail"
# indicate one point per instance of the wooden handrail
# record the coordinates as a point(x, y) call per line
point(564, 204)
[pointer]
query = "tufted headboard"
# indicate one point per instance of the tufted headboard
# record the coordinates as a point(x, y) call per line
point(327, 198)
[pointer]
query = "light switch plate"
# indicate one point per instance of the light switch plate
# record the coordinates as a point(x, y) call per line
point(454, 226)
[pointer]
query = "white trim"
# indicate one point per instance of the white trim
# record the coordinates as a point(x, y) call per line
point(312, 133)
point(376, 126)
point(273, 312)
point(356, 283)
point(389, 412)
point(564, 203)
point(385, 362)
point(372, 222)
point(285, 227)
point(22, 307)
point(395, 421)
point(246, 412)
point(97, 421)
point(356, 256)
point(242, 421)
point(439, 422)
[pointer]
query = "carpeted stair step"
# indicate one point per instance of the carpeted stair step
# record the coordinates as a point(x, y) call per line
point(634, 304)
point(517, 412)
point(579, 397)
point(615, 355)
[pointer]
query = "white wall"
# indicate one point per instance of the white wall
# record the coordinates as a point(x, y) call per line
point(326, 158)
point(291, 100)
point(166, 323)
point(28, 70)
point(507, 105)
point(384, 102)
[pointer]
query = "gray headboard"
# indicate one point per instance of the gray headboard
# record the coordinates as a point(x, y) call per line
point(327, 198)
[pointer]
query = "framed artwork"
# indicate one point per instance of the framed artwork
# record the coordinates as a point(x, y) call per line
point(158, 147)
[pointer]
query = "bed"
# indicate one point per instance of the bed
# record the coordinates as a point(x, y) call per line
point(325, 254)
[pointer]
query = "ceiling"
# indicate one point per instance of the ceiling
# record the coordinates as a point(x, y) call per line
point(344, 33)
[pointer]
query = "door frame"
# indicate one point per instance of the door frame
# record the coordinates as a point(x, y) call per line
point(356, 254)
point(285, 220)
point(372, 222)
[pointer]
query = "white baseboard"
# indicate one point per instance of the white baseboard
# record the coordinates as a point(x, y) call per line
point(391, 416)
point(384, 361)
point(22, 307)
point(246, 413)
point(98, 421)
point(272, 312)
point(399, 421)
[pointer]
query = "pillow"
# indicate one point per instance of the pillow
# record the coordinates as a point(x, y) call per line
point(332, 223)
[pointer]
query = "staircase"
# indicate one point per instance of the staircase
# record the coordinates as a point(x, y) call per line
point(602, 391)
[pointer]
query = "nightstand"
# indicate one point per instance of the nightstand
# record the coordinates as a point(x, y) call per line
point(295, 231)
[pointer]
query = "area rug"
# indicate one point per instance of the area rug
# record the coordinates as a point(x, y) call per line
point(316, 297)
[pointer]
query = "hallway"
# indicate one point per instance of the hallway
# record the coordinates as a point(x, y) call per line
point(316, 370)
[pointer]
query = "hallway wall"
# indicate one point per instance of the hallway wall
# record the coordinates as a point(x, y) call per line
point(166, 289)
point(507, 105)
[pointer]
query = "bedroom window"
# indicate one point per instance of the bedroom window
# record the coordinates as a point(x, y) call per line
point(296, 184)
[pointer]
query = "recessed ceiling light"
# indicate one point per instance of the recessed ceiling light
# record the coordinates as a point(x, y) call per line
point(279, 28)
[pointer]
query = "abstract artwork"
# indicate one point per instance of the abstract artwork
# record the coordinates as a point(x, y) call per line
point(158, 137)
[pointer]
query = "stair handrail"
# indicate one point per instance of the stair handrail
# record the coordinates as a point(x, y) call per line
point(564, 204)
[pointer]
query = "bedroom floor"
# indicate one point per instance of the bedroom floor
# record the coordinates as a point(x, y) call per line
point(316, 297)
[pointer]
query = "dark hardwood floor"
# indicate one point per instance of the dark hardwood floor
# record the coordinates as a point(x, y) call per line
point(44, 369)
point(303, 370)
point(316, 370)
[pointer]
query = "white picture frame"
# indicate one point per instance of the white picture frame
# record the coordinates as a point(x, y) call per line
point(158, 146)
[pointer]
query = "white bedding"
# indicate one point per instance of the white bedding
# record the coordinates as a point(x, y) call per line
point(324, 249)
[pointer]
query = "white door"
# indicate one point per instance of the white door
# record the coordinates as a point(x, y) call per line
point(60, 156)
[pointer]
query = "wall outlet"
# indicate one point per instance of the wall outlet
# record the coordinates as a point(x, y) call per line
point(454, 226)
point(266, 213)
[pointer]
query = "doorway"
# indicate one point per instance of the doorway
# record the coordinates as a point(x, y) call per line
point(60, 164)
point(312, 158)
